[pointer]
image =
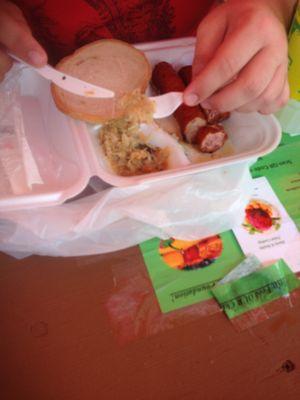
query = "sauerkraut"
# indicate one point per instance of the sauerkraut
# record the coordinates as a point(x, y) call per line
point(123, 143)
point(128, 151)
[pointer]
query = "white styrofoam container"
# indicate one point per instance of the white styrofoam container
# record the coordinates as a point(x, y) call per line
point(67, 152)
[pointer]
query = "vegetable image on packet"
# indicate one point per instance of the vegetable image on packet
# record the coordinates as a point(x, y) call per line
point(261, 217)
point(183, 272)
point(187, 256)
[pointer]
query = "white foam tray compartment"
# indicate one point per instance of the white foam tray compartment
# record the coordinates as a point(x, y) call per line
point(67, 151)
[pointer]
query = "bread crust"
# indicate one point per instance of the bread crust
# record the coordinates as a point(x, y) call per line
point(59, 95)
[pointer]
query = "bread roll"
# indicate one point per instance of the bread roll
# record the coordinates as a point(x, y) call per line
point(109, 63)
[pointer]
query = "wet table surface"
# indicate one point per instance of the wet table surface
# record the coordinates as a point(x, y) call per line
point(90, 328)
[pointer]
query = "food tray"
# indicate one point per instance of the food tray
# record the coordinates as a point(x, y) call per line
point(67, 152)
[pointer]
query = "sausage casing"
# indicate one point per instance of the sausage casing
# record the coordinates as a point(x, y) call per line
point(210, 138)
point(165, 79)
point(212, 117)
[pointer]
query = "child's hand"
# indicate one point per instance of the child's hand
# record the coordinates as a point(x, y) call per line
point(16, 37)
point(241, 58)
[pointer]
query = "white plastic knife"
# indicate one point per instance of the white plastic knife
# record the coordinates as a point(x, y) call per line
point(165, 104)
point(69, 83)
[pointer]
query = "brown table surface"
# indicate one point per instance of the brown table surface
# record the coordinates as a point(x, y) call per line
point(90, 328)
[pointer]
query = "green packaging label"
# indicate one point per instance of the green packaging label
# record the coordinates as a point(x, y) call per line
point(282, 169)
point(183, 272)
point(256, 289)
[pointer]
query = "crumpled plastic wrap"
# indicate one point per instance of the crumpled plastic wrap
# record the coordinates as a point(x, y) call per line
point(187, 208)
point(18, 169)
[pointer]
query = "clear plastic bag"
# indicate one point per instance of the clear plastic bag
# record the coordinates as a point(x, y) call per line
point(111, 218)
point(18, 169)
point(188, 207)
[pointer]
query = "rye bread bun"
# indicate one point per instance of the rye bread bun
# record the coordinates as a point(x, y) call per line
point(109, 63)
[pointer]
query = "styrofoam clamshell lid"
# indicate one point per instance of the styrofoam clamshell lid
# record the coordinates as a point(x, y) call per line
point(67, 152)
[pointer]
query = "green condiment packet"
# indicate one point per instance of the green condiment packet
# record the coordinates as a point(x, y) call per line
point(178, 286)
point(254, 290)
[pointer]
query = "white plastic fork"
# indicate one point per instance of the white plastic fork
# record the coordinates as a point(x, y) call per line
point(166, 104)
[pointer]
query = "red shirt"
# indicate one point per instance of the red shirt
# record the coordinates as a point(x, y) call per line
point(61, 26)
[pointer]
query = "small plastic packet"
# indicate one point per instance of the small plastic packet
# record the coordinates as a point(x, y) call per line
point(188, 208)
point(249, 265)
point(247, 298)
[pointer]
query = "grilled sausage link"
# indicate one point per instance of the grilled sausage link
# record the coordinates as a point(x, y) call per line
point(210, 138)
point(165, 79)
point(185, 74)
